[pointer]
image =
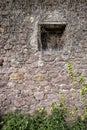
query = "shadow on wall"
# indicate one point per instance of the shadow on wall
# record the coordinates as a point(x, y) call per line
point(2, 84)
point(1, 61)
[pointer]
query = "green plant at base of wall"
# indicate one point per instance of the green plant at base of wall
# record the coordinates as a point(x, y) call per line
point(40, 120)
point(15, 121)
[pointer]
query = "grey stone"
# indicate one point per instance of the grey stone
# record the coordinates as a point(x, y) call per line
point(39, 95)
point(3, 84)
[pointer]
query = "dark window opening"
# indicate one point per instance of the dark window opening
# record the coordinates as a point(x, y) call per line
point(51, 36)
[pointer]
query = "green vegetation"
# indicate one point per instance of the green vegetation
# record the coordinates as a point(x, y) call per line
point(14, 121)
point(41, 121)
point(83, 90)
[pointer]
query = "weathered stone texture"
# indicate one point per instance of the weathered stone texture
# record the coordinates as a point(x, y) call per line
point(30, 78)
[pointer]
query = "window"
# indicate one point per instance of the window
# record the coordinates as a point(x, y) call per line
point(51, 35)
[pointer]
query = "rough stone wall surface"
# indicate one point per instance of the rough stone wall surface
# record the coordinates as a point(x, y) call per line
point(30, 78)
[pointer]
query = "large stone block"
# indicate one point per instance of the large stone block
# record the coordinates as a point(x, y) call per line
point(16, 76)
point(38, 77)
point(39, 95)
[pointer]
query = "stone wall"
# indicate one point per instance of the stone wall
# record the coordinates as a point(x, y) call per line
point(30, 77)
